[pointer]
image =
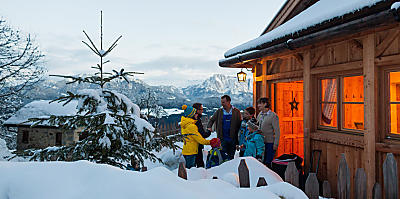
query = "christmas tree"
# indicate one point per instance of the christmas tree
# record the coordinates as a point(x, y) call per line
point(111, 125)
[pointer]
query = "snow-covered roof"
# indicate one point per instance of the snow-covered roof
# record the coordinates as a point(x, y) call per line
point(321, 11)
point(42, 108)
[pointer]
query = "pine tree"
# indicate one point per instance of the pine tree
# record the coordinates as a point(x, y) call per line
point(111, 123)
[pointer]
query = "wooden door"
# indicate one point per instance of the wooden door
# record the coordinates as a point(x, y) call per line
point(289, 108)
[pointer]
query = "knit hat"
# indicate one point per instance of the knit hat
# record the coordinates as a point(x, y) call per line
point(253, 124)
point(215, 142)
point(188, 111)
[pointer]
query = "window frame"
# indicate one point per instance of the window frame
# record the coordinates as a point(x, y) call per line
point(387, 103)
point(339, 104)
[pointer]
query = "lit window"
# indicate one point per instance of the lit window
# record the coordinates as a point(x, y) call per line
point(328, 103)
point(394, 79)
point(353, 103)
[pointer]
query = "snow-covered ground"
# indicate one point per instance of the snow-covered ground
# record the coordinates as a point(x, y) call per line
point(83, 179)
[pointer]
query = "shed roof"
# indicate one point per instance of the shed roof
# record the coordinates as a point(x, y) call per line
point(39, 109)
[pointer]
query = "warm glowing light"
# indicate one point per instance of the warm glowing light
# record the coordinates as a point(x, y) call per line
point(241, 76)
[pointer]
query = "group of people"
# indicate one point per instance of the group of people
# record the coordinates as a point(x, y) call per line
point(257, 137)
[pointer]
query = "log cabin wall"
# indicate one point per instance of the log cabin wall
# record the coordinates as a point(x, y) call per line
point(342, 58)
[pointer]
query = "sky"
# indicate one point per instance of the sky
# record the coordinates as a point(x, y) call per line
point(175, 42)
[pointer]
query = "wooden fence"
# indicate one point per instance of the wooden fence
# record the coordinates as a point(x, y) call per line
point(390, 189)
point(174, 128)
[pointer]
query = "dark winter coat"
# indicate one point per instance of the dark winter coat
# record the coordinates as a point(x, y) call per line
point(235, 124)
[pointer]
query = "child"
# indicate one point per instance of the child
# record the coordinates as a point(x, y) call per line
point(254, 142)
point(248, 114)
point(215, 156)
point(192, 137)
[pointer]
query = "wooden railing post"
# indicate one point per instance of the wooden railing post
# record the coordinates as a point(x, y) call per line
point(390, 177)
point(292, 174)
point(360, 184)
point(326, 189)
point(312, 186)
point(377, 191)
point(182, 170)
point(343, 179)
point(244, 177)
point(261, 182)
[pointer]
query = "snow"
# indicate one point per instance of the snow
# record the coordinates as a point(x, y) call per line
point(83, 179)
point(40, 109)
point(395, 5)
point(323, 10)
point(142, 124)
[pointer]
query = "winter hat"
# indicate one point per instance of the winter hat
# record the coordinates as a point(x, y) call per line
point(253, 124)
point(188, 111)
point(215, 142)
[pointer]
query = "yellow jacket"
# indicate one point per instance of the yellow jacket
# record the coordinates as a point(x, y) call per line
point(193, 139)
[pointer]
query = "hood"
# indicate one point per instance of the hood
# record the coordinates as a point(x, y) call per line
point(185, 122)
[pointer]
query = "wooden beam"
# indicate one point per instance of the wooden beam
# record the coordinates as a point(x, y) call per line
point(285, 75)
point(338, 138)
point(388, 148)
point(307, 90)
point(357, 43)
point(264, 90)
point(276, 63)
point(370, 113)
point(380, 49)
point(337, 67)
point(318, 56)
point(388, 60)
point(298, 57)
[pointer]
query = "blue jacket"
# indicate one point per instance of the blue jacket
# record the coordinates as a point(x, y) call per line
point(243, 132)
point(254, 145)
point(216, 157)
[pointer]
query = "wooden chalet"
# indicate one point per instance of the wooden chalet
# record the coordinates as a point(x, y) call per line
point(332, 71)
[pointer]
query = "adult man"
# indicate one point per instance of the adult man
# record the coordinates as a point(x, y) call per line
point(269, 126)
point(227, 122)
point(204, 134)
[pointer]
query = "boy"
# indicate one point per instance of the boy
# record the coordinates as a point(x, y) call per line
point(215, 156)
point(248, 114)
point(254, 141)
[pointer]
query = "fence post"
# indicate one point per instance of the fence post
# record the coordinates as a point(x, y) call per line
point(377, 191)
point(326, 189)
point(360, 184)
point(261, 182)
point(390, 177)
point(312, 186)
point(244, 178)
point(343, 181)
point(144, 169)
point(182, 170)
point(292, 174)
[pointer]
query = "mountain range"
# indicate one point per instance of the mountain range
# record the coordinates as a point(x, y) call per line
point(207, 92)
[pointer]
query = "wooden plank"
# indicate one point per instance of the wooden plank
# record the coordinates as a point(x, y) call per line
point(337, 67)
point(386, 42)
point(307, 108)
point(244, 178)
point(390, 177)
point(388, 60)
point(275, 64)
point(298, 57)
point(360, 184)
point(261, 182)
point(338, 138)
point(377, 191)
point(264, 83)
point(292, 174)
point(343, 181)
point(370, 106)
point(318, 56)
point(312, 186)
point(285, 75)
point(182, 170)
point(326, 189)
point(356, 43)
point(388, 148)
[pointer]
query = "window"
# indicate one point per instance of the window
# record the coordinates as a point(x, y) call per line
point(58, 139)
point(25, 137)
point(394, 84)
point(350, 114)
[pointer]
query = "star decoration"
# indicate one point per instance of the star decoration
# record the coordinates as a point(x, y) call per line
point(294, 104)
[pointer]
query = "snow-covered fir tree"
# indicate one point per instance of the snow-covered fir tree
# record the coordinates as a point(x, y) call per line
point(110, 122)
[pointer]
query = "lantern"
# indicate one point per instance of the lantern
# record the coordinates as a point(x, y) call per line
point(241, 76)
